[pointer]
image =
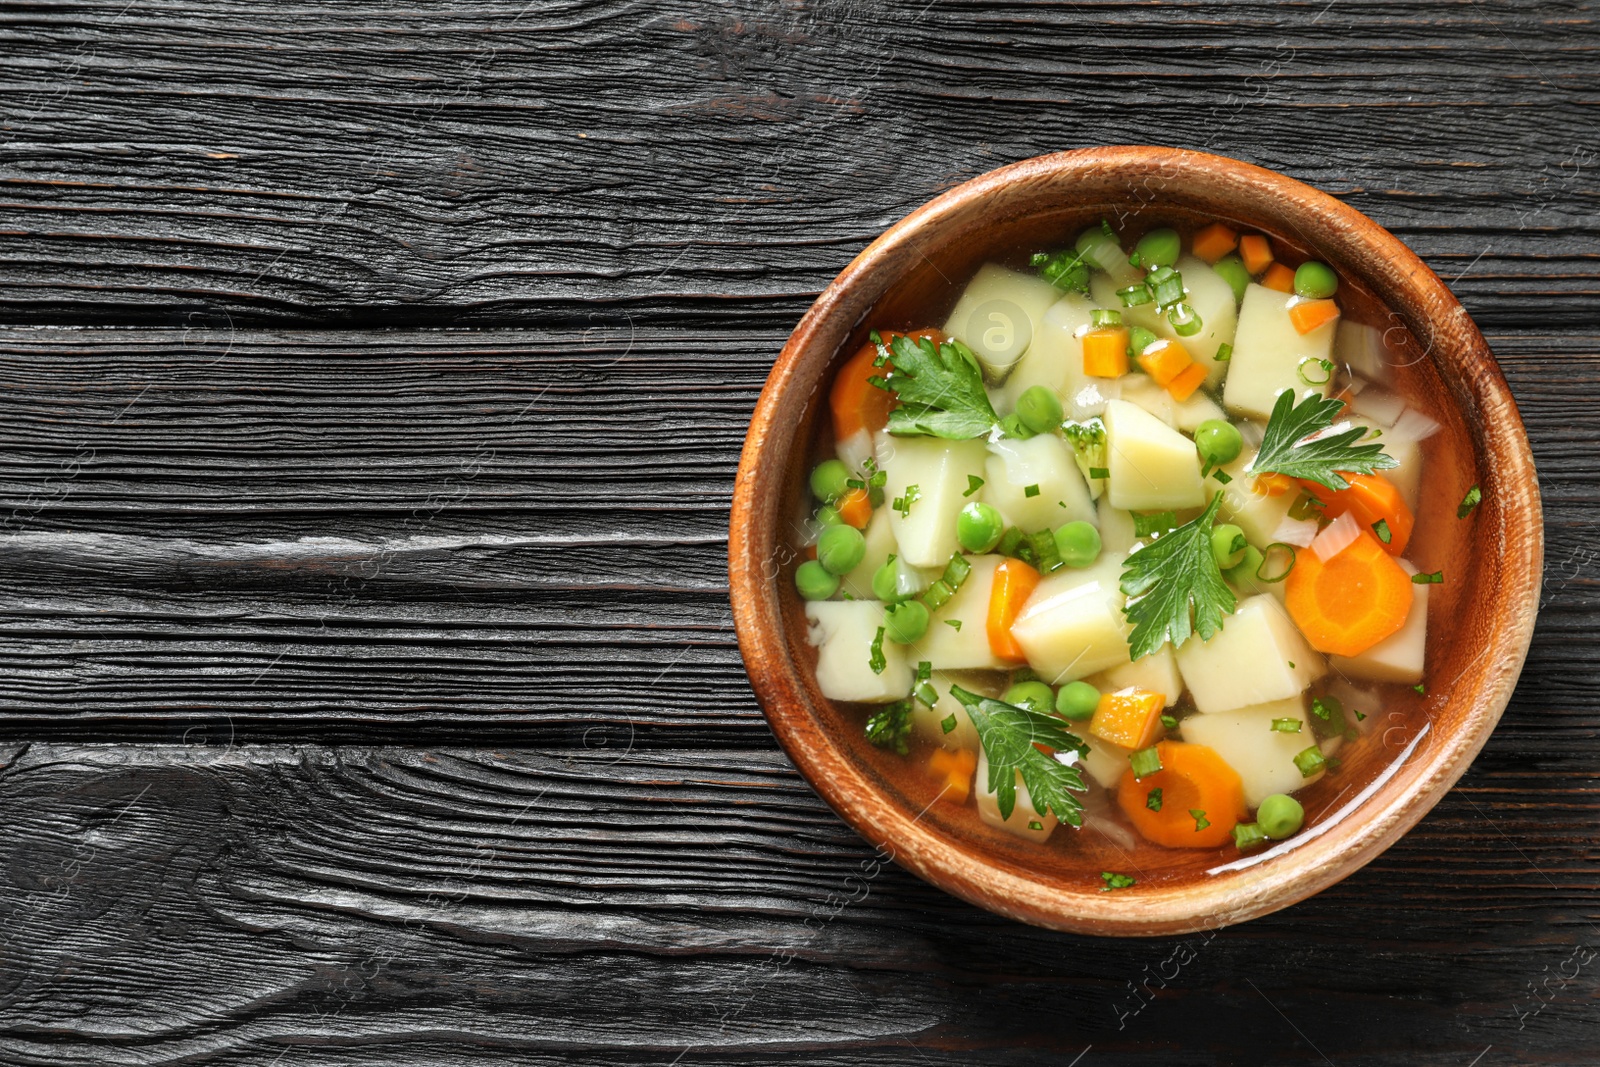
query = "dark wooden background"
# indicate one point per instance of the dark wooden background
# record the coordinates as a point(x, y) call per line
point(372, 379)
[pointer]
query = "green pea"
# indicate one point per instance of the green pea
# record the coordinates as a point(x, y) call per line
point(905, 622)
point(1228, 545)
point(886, 582)
point(1280, 815)
point(840, 549)
point(1315, 280)
point(1035, 696)
point(1098, 247)
point(814, 582)
point(1040, 409)
point(978, 527)
point(1158, 248)
point(1078, 543)
point(828, 515)
point(1232, 270)
point(827, 480)
point(1218, 442)
point(1243, 573)
point(1077, 701)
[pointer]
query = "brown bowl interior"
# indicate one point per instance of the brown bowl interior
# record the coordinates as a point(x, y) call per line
point(1480, 619)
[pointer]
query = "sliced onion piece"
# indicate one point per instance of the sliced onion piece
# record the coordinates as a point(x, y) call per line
point(1336, 537)
point(1297, 532)
point(1379, 405)
point(1413, 425)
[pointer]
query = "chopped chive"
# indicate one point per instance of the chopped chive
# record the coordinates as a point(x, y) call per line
point(1200, 820)
point(956, 571)
point(954, 624)
point(1113, 880)
point(876, 660)
point(1436, 578)
point(1381, 528)
point(1031, 490)
point(1105, 317)
point(1145, 762)
point(1310, 761)
point(1134, 295)
point(1169, 722)
point(1099, 472)
point(1287, 726)
point(1247, 835)
point(1222, 476)
point(1326, 366)
point(1468, 502)
point(974, 483)
point(1224, 352)
point(948, 722)
point(1266, 560)
point(1152, 799)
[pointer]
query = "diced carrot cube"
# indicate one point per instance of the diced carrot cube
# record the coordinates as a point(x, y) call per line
point(956, 768)
point(1214, 242)
point(1188, 380)
point(1164, 360)
point(1129, 717)
point(1256, 251)
point(1105, 352)
point(855, 508)
point(1307, 315)
point(1014, 582)
point(1279, 277)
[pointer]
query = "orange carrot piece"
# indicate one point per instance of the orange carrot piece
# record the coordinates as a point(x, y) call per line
point(1014, 582)
point(1105, 352)
point(855, 508)
point(1214, 242)
point(1351, 602)
point(1307, 315)
point(957, 769)
point(1279, 277)
point(1192, 778)
point(1164, 360)
point(1272, 484)
point(857, 404)
point(1256, 251)
point(1371, 497)
point(1188, 380)
point(1129, 717)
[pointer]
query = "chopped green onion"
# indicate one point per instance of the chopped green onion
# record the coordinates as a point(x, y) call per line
point(1046, 554)
point(1105, 317)
point(1222, 476)
point(902, 504)
point(1224, 352)
point(1140, 339)
point(1113, 880)
point(1287, 726)
point(1468, 502)
point(1419, 689)
point(1099, 472)
point(1200, 820)
point(1152, 799)
point(876, 661)
point(1381, 528)
point(1310, 761)
point(1166, 285)
point(938, 595)
point(1185, 320)
point(1134, 295)
point(1325, 364)
point(1010, 541)
point(1145, 762)
point(1247, 835)
point(1266, 561)
point(1435, 578)
point(1031, 491)
point(974, 483)
point(956, 571)
point(954, 624)
point(1169, 721)
point(948, 722)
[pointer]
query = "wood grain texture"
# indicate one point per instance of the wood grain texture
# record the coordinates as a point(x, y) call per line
point(353, 711)
point(601, 162)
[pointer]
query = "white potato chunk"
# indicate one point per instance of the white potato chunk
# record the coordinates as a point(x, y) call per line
point(1072, 626)
point(1258, 657)
point(1180, 415)
point(1044, 465)
point(1268, 352)
point(1117, 533)
point(1262, 757)
point(1105, 762)
point(880, 546)
point(928, 723)
point(1212, 299)
point(1155, 673)
point(939, 469)
point(1055, 361)
point(947, 647)
point(999, 314)
point(843, 631)
point(1153, 467)
point(1400, 657)
point(1024, 821)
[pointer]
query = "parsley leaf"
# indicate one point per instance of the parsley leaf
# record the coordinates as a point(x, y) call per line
point(1468, 502)
point(891, 727)
point(1170, 577)
point(1113, 880)
point(940, 390)
point(1285, 450)
point(1008, 734)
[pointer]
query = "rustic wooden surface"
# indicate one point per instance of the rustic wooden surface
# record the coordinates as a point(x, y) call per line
point(371, 385)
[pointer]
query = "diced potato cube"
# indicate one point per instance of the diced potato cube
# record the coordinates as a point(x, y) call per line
point(1153, 467)
point(939, 470)
point(843, 632)
point(1072, 626)
point(1180, 415)
point(1117, 533)
point(1157, 673)
point(1262, 757)
point(1105, 762)
point(1024, 821)
point(966, 648)
point(1044, 467)
point(1258, 657)
point(1400, 657)
point(1212, 299)
point(929, 722)
point(880, 546)
point(1055, 361)
point(999, 314)
point(1268, 352)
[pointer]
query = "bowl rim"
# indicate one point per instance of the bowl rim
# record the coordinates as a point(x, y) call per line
point(1411, 290)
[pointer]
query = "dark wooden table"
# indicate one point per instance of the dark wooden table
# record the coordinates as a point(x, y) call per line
point(372, 380)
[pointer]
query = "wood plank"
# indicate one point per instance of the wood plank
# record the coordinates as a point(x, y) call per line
point(607, 163)
point(168, 904)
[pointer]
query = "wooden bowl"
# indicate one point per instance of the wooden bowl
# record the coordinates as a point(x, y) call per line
point(1480, 625)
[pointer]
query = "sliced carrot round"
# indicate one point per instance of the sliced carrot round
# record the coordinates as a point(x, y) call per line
point(1192, 779)
point(1371, 497)
point(1351, 602)
point(857, 404)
